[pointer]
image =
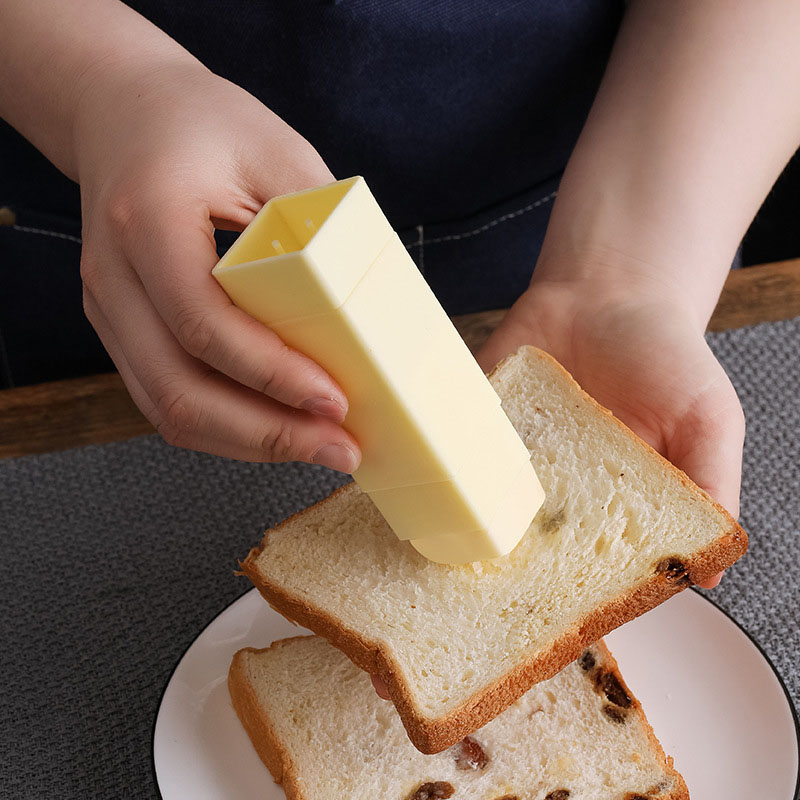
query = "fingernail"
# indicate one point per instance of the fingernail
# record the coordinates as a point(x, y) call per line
point(325, 407)
point(335, 456)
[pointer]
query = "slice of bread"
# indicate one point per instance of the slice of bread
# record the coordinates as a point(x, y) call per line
point(620, 531)
point(318, 725)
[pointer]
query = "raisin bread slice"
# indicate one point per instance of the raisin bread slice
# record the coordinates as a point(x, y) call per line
point(324, 734)
point(620, 531)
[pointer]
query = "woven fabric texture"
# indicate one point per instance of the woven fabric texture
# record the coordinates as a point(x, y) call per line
point(115, 557)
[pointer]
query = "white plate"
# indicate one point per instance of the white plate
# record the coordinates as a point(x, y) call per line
point(712, 697)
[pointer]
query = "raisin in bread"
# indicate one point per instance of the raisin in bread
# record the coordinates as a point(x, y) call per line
point(318, 725)
point(620, 531)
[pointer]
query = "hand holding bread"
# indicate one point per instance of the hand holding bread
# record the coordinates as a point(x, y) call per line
point(642, 356)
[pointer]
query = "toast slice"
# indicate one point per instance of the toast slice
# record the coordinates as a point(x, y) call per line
point(620, 531)
point(324, 734)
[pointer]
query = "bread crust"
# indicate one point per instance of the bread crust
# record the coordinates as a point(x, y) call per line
point(259, 727)
point(679, 790)
point(432, 735)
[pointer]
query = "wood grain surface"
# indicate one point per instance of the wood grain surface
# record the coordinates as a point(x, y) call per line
point(69, 413)
point(766, 293)
point(97, 409)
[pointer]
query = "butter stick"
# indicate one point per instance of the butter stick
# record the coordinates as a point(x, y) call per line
point(440, 459)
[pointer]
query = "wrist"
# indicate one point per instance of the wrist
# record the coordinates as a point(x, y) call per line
point(588, 297)
point(607, 247)
point(597, 280)
point(54, 54)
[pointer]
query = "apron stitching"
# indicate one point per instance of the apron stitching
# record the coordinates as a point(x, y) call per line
point(511, 215)
point(421, 245)
point(42, 232)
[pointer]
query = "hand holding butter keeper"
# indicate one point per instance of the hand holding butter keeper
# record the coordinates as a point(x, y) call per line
point(176, 120)
point(325, 271)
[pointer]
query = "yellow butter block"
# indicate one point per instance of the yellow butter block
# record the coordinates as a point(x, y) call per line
point(325, 271)
point(414, 389)
point(467, 501)
point(514, 514)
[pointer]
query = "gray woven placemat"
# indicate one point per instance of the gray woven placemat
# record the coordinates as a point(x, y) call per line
point(115, 557)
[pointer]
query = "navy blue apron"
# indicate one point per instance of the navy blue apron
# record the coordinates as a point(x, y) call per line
point(461, 116)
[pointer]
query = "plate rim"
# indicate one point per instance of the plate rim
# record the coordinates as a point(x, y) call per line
point(696, 591)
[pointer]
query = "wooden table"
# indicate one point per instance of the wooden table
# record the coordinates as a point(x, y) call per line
point(97, 409)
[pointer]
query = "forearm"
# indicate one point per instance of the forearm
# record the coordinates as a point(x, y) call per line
point(696, 116)
point(51, 53)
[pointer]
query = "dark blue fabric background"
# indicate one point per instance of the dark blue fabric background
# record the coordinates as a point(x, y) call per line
point(460, 115)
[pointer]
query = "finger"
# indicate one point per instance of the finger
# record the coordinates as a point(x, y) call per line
point(505, 339)
point(193, 406)
point(711, 582)
point(524, 324)
point(114, 349)
point(510, 334)
point(174, 259)
point(380, 687)
point(134, 387)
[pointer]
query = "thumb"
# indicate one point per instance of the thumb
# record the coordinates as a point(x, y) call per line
point(520, 326)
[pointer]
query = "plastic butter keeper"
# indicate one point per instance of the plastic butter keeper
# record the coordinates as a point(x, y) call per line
point(440, 459)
